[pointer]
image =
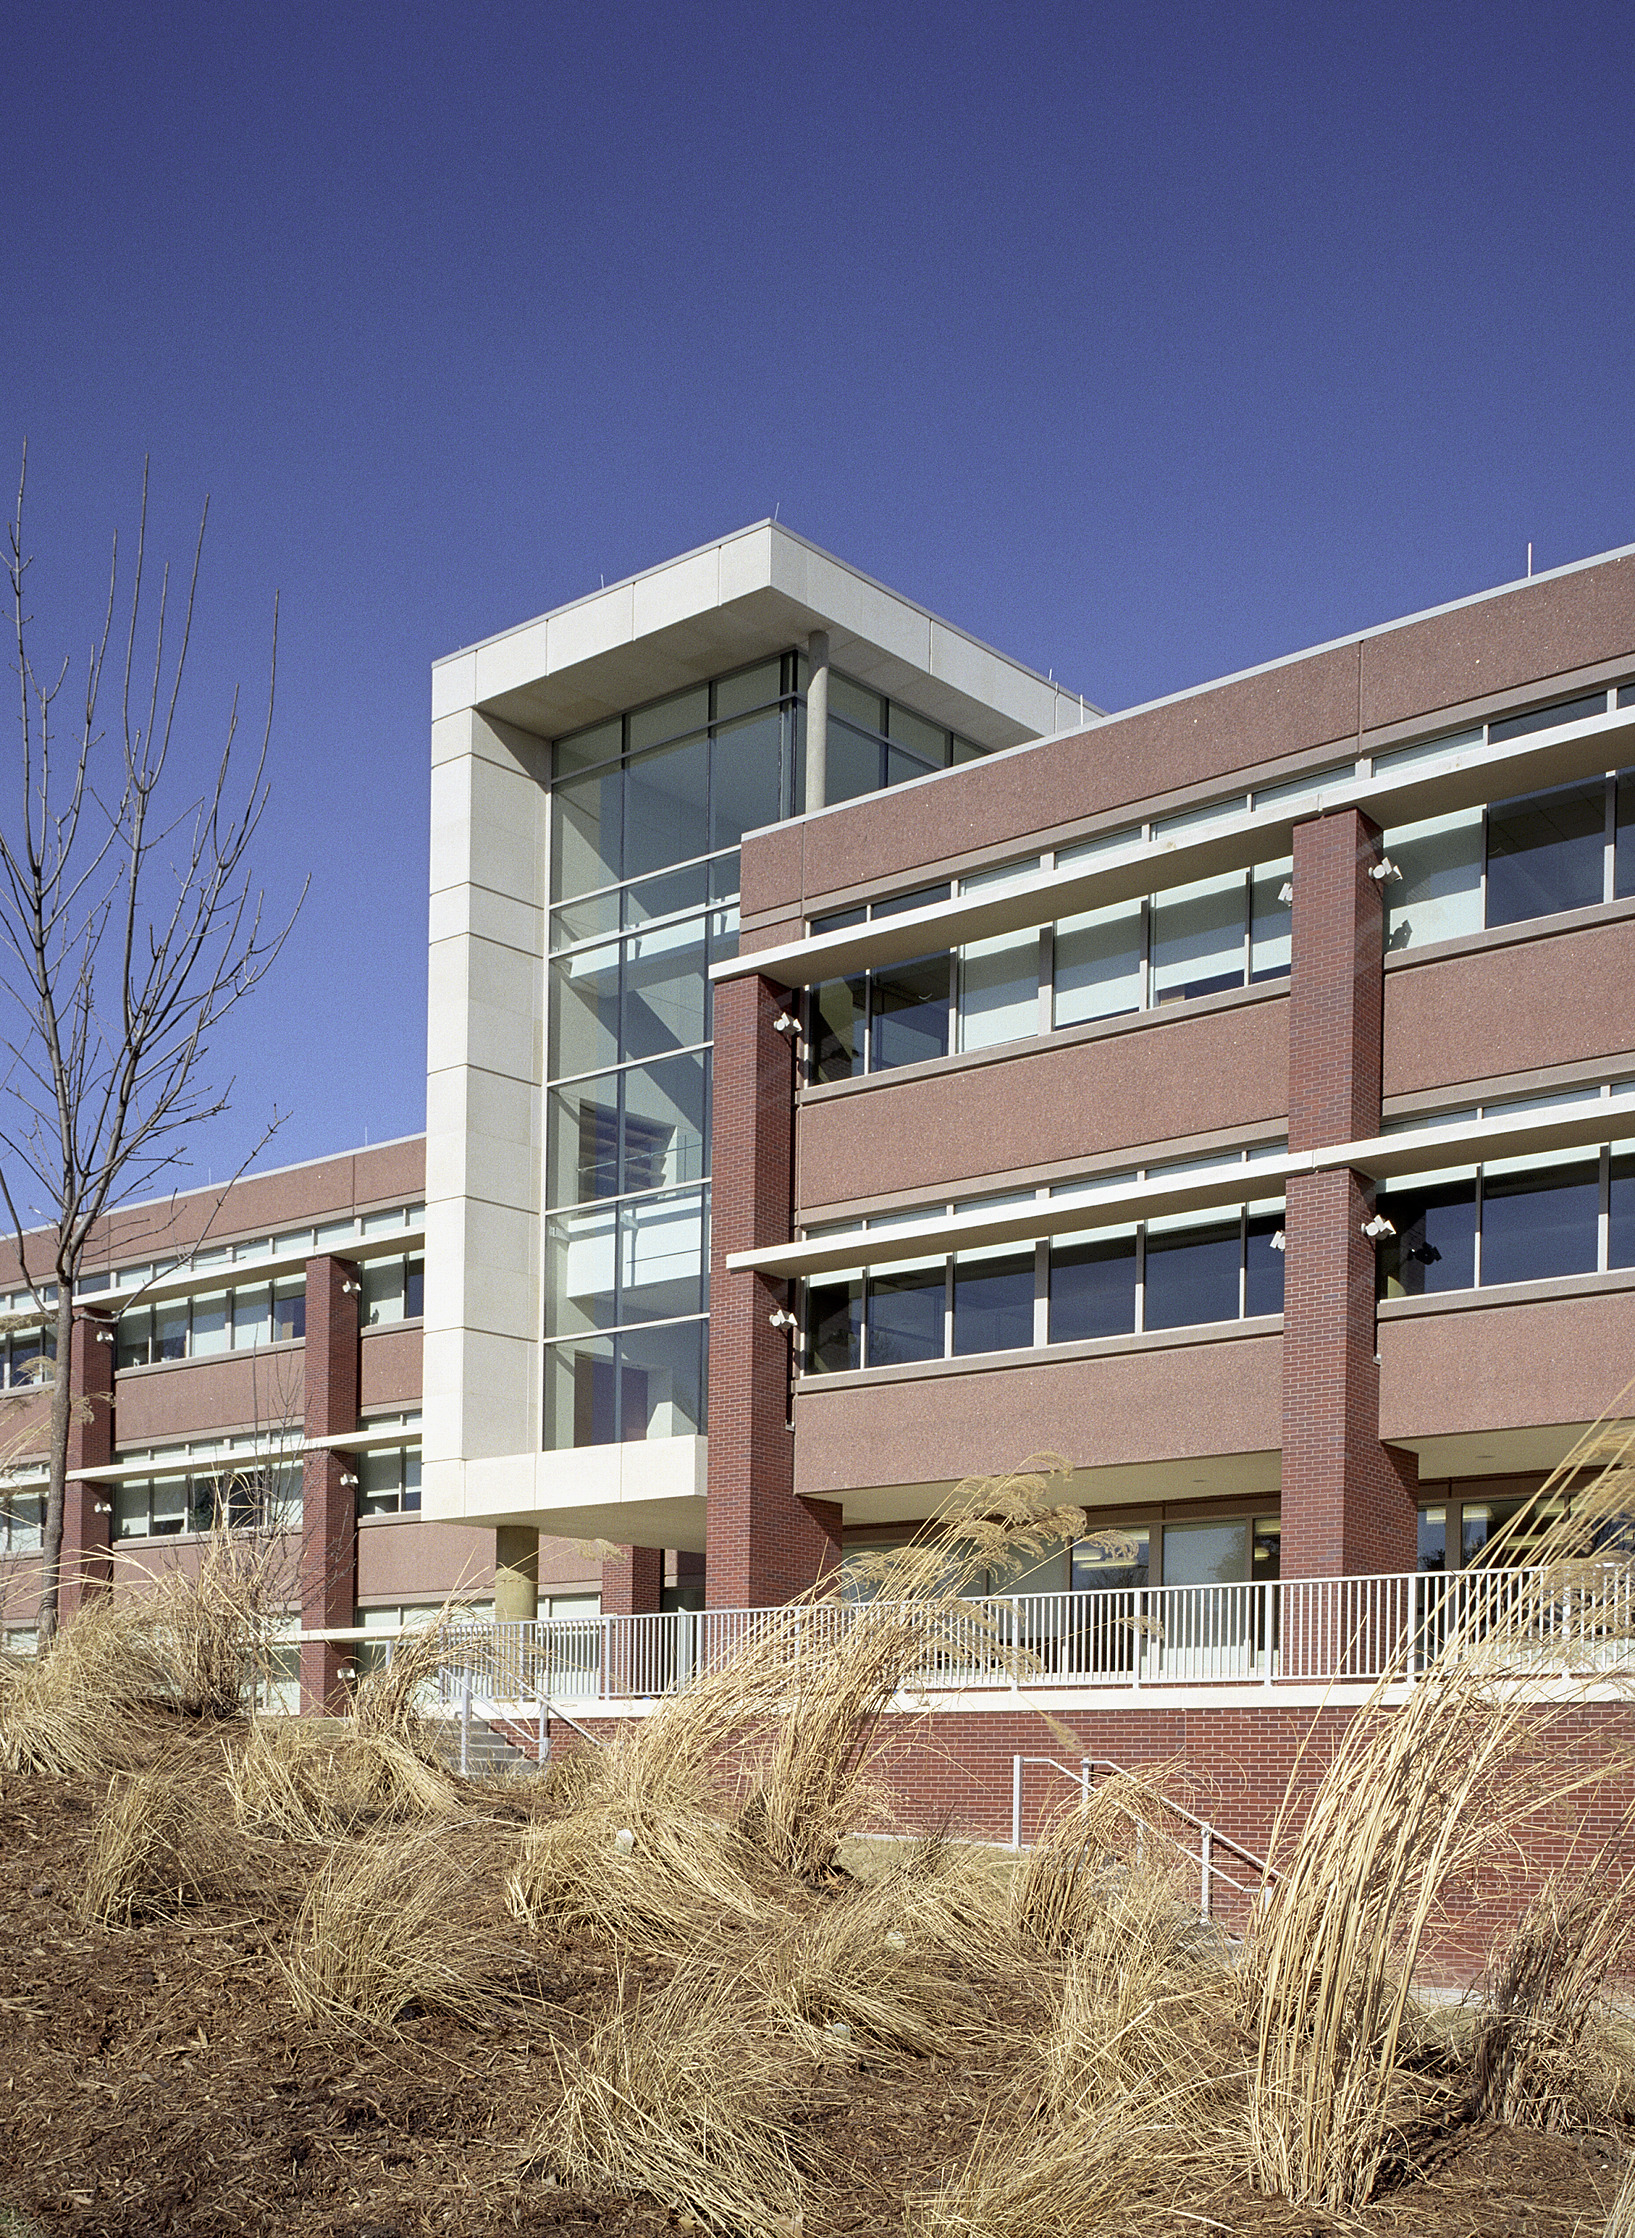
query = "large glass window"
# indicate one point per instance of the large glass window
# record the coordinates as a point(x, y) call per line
point(647, 814)
point(993, 1300)
point(1193, 1263)
point(1092, 1285)
point(1525, 1219)
point(1099, 963)
point(1539, 1218)
point(905, 1314)
point(1434, 1248)
point(1545, 852)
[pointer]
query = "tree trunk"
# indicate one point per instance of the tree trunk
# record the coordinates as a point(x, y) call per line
point(62, 1402)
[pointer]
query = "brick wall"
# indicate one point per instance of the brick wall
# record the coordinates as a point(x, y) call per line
point(1349, 1503)
point(633, 1584)
point(1232, 1767)
point(87, 1521)
point(764, 1544)
point(329, 1526)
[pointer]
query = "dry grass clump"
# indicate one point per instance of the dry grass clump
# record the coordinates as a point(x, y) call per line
point(80, 1707)
point(316, 1778)
point(1621, 2215)
point(164, 1843)
point(644, 1855)
point(1414, 1797)
point(208, 1638)
point(677, 2097)
point(1099, 2175)
point(802, 1697)
point(385, 1929)
point(1536, 2059)
point(1059, 1894)
point(390, 1701)
point(858, 1963)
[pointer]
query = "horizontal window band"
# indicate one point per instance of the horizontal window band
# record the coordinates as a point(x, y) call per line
point(1465, 777)
point(1380, 1158)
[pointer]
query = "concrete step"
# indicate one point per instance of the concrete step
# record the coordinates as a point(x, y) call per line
point(489, 1755)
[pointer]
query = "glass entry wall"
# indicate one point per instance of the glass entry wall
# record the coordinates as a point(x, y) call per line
point(647, 812)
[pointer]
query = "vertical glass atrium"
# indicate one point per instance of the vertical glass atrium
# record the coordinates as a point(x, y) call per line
point(647, 811)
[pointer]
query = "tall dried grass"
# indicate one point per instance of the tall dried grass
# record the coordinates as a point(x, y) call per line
point(1113, 2172)
point(677, 2097)
point(164, 1843)
point(802, 1698)
point(387, 1927)
point(1621, 2214)
point(1413, 1798)
point(79, 1708)
point(390, 1701)
point(1535, 2059)
point(314, 1779)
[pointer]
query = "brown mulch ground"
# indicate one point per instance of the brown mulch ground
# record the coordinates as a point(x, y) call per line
point(157, 2080)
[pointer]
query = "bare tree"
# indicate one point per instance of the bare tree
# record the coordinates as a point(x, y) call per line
point(128, 928)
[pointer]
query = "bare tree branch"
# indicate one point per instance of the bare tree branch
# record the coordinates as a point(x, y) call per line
point(130, 926)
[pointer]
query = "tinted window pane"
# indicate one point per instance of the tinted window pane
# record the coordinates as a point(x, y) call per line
point(661, 1256)
point(1206, 1553)
point(837, 1028)
point(748, 777)
point(1433, 1539)
point(1098, 964)
point(581, 1271)
point(1620, 1221)
point(666, 807)
point(1538, 1224)
point(585, 1010)
point(661, 1381)
point(585, 832)
point(1263, 1267)
point(854, 763)
point(1197, 939)
point(1092, 1287)
point(910, 1012)
point(584, 1141)
point(1624, 865)
point(905, 1316)
point(1439, 895)
point(1548, 718)
point(993, 1303)
point(834, 1324)
point(1192, 1275)
point(1270, 922)
point(751, 687)
point(1434, 1247)
point(662, 1005)
point(998, 990)
point(662, 1131)
point(928, 741)
point(579, 1394)
point(1544, 853)
point(670, 718)
point(665, 895)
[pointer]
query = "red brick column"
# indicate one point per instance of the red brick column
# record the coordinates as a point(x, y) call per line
point(1349, 1503)
point(329, 1507)
point(633, 1584)
point(87, 1534)
point(764, 1544)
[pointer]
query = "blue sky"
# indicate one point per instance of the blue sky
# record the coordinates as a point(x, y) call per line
point(1145, 341)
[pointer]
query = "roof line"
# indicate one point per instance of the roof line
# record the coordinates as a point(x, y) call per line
point(780, 528)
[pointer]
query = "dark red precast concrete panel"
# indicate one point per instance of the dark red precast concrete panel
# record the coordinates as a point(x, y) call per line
point(1349, 1503)
point(87, 1521)
point(1500, 644)
point(1172, 1076)
point(763, 1544)
point(1519, 1005)
point(329, 1510)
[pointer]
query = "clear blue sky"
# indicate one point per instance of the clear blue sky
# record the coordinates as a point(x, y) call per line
point(1146, 341)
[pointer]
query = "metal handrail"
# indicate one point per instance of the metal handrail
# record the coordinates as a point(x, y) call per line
point(1209, 1834)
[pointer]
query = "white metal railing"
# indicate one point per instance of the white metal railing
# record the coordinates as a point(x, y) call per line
point(1210, 1838)
point(1291, 1631)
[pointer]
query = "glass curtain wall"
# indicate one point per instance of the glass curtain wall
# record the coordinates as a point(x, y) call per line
point(648, 810)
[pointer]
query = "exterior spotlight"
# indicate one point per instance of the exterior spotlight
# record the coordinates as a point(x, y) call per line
point(104, 1336)
point(1279, 1241)
point(1384, 869)
point(1377, 1229)
point(348, 1288)
point(1285, 892)
point(102, 1507)
point(786, 1023)
point(349, 1480)
point(783, 1319)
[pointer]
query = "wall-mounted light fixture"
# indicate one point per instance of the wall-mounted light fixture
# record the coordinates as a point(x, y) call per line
point(348, 1479)
point(102, 1507)
point(104, 1336)
point(783, 1319)
point(1279, 1241)
point(786, 1023)
point(349, 1288)
point(1382, 870)
point(1285, 892)
point(1377, 1229)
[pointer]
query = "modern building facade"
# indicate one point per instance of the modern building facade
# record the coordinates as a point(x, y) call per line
point(856, 1063)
